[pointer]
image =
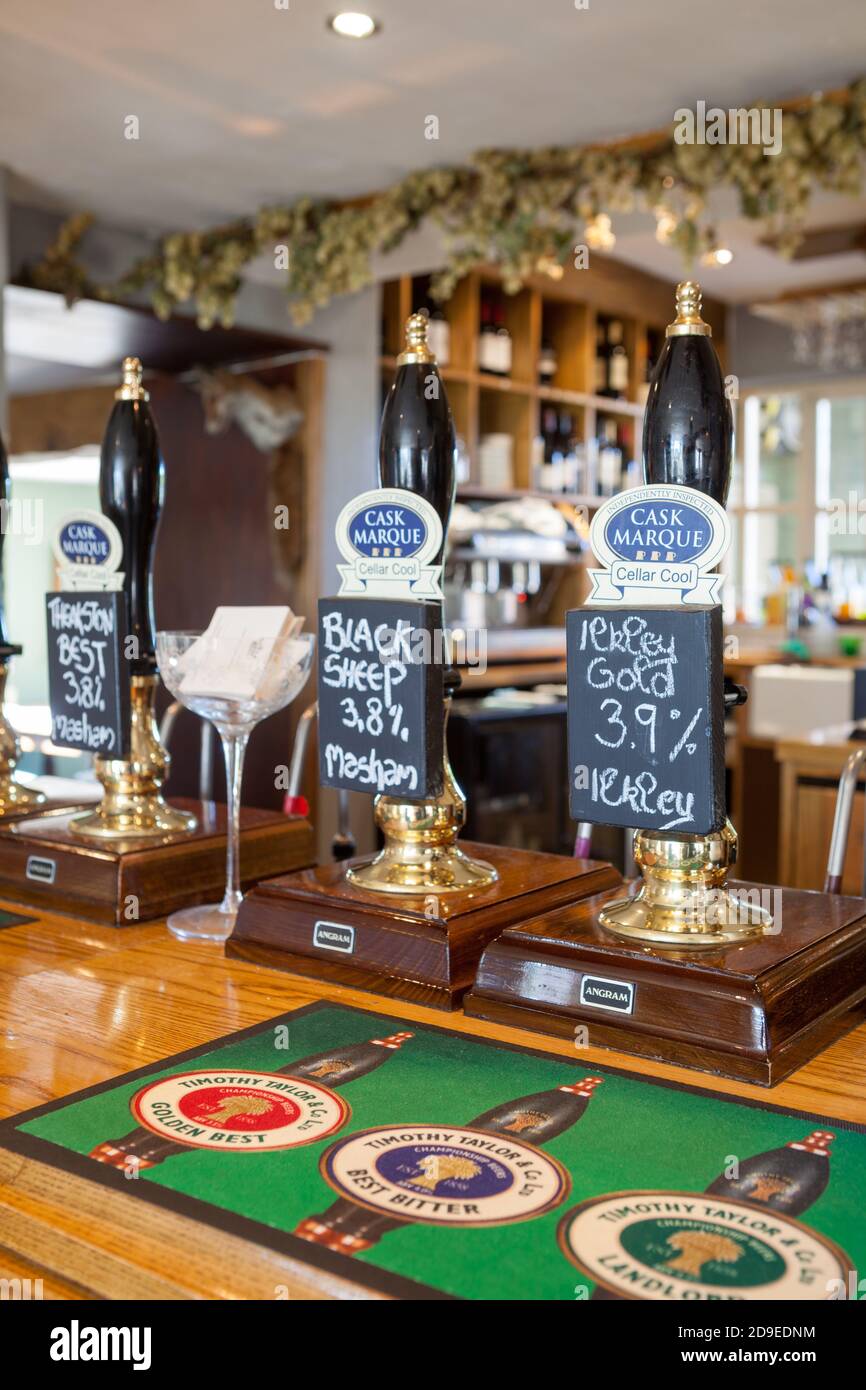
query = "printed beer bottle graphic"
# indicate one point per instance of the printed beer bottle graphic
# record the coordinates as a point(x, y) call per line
point(439, 1163)
point(788, 1179)
point(541, 1117)
point(336, 1067)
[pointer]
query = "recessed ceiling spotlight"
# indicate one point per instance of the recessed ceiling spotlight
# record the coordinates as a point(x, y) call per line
point(352, 24)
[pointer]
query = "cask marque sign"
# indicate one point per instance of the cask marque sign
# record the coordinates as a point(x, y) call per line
point(380, 696)
point(88, 674)
point(646, 717)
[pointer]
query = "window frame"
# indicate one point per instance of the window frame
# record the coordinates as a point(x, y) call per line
point(806, 507)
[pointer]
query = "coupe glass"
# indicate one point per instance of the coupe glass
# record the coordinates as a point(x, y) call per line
point(235, 720)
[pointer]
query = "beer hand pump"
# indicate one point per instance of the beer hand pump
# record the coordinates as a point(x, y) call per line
point(131, 489)
point(688, 441)
point(416, 453)
point(747, 982)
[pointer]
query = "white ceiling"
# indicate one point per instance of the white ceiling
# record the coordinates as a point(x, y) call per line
point(241, 102)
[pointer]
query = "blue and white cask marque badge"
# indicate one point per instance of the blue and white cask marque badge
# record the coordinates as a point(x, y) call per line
point(89, 550)
point(389, 536)
point(657, 545)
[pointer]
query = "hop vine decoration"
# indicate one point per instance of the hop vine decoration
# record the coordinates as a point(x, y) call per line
point(518, 209)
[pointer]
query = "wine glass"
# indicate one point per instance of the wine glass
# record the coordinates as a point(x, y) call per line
point(235, 720)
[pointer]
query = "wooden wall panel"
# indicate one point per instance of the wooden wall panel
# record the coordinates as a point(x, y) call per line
point(58, 420)
point(217, 546)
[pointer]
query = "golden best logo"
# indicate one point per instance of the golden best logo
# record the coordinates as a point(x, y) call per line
point(445, 1175)
point(689, 1247)
point(243, 1112)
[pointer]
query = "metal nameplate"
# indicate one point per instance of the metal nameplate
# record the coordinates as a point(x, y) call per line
point(333, 936)
point(40, 870)
point(598, 993)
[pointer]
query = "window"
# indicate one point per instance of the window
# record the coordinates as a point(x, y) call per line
point(798, 497)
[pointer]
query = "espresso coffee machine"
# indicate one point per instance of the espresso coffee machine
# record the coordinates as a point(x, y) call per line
point(505, 562)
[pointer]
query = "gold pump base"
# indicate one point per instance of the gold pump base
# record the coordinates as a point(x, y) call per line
point(15, 797)
point(421, 854)
point(132, 806)
point(683, 902)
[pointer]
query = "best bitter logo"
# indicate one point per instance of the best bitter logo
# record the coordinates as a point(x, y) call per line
point(241, 1113)
point(445, 1175)
point(691, 1247)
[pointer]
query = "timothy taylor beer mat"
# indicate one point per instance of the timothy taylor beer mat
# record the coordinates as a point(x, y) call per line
point(423, 1163)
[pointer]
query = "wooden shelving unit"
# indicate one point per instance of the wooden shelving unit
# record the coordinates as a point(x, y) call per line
point(563, 312)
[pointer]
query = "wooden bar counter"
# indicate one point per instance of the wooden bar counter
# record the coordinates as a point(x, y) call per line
point(80, 1004)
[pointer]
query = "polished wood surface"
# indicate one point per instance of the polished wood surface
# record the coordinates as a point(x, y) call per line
point(80, 1004)
point(140, 880)
point(422, 947)
point(753, 1011)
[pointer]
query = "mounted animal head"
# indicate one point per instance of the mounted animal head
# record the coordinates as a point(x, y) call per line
point(268, 416)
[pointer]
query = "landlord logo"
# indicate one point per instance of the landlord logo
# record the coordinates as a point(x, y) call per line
point(444, 1175)
point(77, 1343)
point(243, 1113)
point(737, 126)
point(689, 1247)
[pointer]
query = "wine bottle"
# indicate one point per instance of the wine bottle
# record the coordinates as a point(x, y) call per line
point(601, 350)
point(488, 344)
point(547, 363)
point(439, 335)
point(688, 433)
point(141, 1148)
point(131, 492)
point(417, 442)
point(532, 1119)
point(617, 362)
point(609, 458)
point(504, 346)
